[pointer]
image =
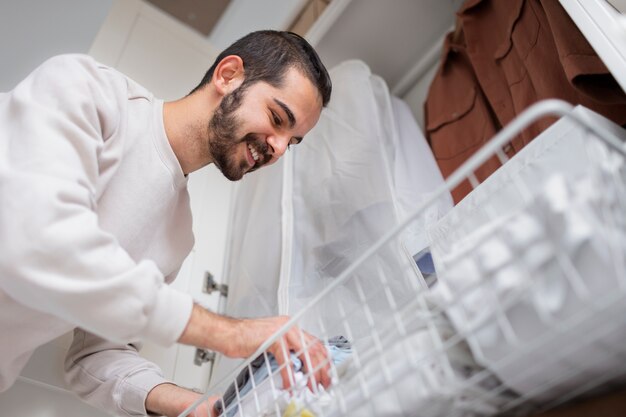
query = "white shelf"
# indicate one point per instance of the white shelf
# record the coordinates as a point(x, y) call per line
point(605, 29)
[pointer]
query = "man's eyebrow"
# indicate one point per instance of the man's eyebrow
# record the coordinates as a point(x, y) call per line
point(286, 109)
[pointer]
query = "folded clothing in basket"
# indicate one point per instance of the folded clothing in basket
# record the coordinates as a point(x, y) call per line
point(421, 371)
point(539, 293)
point(255, 376)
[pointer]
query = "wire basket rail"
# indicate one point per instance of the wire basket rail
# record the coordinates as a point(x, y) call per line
point(516, 305)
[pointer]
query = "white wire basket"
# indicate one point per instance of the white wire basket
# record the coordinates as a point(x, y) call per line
point(517, 305)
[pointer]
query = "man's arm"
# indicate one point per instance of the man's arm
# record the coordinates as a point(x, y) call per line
point(109, 375)
point(240, 338)
point(171, 400)
point(115, 378)
point(55, 257)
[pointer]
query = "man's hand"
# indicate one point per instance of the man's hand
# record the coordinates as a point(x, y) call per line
point(170, 400)
point(240, 338)
point(308, 348)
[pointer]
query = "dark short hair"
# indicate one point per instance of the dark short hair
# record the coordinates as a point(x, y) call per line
point(268, 54)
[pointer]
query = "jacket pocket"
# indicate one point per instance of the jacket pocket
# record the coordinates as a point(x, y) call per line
point(519, 40)
point(459, 128)
point(457, 132)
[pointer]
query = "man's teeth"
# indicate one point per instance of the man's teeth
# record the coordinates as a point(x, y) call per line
point(255, 154)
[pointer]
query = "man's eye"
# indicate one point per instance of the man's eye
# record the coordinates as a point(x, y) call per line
point(292, 142)
point(277, 120)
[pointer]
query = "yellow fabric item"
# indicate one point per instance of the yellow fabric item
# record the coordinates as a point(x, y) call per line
point(293, 411)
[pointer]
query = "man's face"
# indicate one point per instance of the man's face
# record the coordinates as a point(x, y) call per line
point(253, 128)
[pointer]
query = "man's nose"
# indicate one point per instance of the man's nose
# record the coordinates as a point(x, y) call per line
point(279, 144)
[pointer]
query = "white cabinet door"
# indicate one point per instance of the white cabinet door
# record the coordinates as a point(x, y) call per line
point(170, 60)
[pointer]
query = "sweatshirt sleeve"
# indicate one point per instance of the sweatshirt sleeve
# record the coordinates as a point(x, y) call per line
point(110, 376)
point(55, 258)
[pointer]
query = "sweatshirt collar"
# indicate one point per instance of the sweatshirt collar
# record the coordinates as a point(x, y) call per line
point(164, 148)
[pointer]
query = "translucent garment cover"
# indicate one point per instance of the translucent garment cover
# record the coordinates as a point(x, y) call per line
point(364, 165)
point(252, 264)
point(353, 180)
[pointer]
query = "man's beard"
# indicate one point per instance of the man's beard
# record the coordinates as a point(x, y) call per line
point(223, 142)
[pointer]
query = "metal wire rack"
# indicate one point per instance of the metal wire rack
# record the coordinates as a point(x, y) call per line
point(525, 310)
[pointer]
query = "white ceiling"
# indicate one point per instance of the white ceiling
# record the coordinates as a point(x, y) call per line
point(390, 36)
point(244, 16)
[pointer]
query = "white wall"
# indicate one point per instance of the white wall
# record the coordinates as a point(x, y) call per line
point(416, 96)
point(33, 30)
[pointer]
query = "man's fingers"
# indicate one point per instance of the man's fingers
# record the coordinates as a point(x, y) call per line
point(206, 409)
point(316, 363)
point(310, 350)
point(281, 351)
point(323, 362)
point(211, 406)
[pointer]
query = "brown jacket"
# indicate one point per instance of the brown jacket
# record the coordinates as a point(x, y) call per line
point(507, 55)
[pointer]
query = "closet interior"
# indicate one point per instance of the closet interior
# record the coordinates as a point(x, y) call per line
point(455, 220)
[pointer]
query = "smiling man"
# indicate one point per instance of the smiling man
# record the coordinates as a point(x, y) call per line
point(252, 122)
point(95, 218)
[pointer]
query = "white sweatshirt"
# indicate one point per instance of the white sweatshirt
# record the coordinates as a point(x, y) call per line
point(94, 214)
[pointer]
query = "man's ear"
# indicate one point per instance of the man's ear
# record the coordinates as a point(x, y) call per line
point(228, 74)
